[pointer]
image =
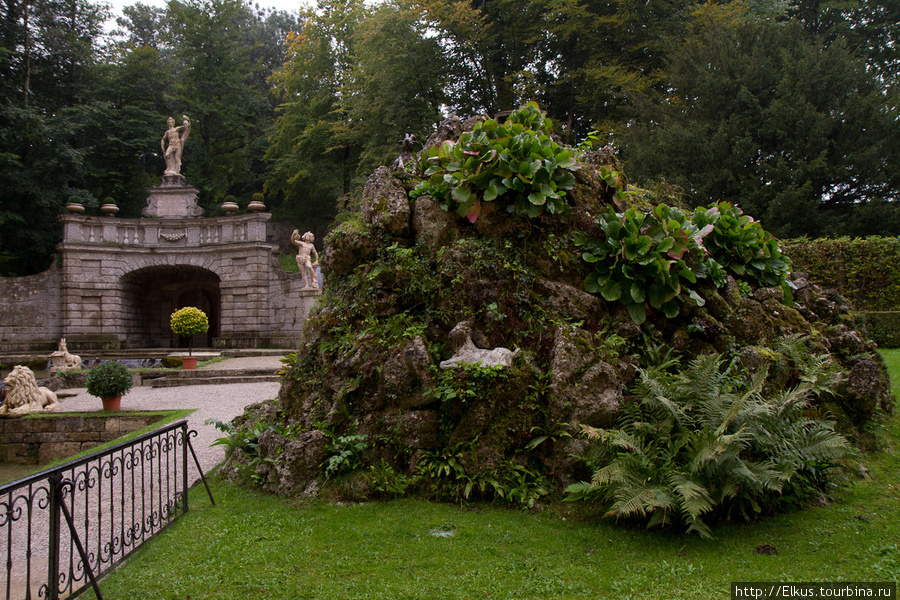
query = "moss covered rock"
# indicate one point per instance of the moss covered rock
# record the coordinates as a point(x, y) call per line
point(405, 273)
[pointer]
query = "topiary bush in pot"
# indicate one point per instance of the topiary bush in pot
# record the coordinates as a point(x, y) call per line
point(189, 321)
point(109, 381)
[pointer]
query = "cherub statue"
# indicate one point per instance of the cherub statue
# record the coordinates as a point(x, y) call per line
point(176, 137)
point(305, 251)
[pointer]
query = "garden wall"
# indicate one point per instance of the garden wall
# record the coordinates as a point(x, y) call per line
point(41, 439)
point(30, 313)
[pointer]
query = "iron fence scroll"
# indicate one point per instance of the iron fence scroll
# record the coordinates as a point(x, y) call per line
point(63, 528)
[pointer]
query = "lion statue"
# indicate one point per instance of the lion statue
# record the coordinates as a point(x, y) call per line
point(23, 396)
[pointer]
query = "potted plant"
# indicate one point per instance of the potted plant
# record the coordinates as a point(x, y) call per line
point(189, 321)
point(108, 381)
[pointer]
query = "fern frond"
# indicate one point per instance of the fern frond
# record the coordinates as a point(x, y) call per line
point(767, 475)
point(791, 400)
point(700, 528)
point(821, 443)
point(583, 490)
point(693, 497)
point(704, 379)
point(614, 472)
point(632, 501)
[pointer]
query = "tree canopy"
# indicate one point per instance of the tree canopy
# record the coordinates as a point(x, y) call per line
point(788, 108)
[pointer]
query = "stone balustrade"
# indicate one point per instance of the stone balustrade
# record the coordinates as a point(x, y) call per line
point(165, 233)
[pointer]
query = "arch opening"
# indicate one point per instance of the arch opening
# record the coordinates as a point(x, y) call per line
point(151, 294)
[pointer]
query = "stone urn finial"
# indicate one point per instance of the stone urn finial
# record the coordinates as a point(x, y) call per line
point(229, 205)
point(256, 203)
point(74, 205)
point(109, 207)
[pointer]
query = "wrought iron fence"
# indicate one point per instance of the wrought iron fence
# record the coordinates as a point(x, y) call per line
point(62, 528)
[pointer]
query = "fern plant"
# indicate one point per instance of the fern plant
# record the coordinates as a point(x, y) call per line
point(705, 443)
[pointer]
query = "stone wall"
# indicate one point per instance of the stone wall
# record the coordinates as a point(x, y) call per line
point(120, 279)
point(30, 315)
point(40, 440)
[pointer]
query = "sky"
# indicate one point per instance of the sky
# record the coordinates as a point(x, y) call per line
point(287, 5)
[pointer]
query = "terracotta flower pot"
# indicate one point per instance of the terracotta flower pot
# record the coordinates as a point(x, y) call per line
point(111, 403)
point(189, 362)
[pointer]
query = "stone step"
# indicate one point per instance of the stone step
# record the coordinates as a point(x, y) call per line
point(195, 373)
point(175, 379)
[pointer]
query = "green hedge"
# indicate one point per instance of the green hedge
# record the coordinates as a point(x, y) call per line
point(883, 327)
point(866, 271)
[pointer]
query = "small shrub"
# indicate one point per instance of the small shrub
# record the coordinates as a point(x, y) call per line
point(109, 379)
point(645, 258)
point(345, 454)
point(655, 258)
point(743, 247)
point(243, 438)
point(189, 321)
point(385, 482)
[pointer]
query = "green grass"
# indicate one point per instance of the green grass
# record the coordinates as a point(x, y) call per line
point(288, 262)
point(253, 546)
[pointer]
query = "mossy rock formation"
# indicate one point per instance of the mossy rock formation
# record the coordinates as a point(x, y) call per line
point(364, 404)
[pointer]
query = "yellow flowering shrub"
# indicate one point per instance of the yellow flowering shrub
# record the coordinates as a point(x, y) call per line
point(188, 321)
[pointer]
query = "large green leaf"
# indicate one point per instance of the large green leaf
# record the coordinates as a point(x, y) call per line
point(611, 291)
point(537, 198)
point(637, 292)
point(637, 312)
point(462, 194)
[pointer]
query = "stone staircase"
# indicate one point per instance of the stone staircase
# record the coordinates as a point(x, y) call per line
point(208, 377)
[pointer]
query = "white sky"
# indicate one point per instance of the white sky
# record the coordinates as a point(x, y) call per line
point(286, 5)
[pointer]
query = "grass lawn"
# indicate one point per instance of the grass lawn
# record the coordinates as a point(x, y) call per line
point(253, 546)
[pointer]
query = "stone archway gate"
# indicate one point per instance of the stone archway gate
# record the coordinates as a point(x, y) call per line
point(104, 301)
point(119, 280)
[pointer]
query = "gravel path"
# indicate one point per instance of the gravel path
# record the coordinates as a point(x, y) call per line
point(221, 402)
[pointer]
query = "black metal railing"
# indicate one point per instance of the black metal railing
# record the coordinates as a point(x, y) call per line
point(62, 528)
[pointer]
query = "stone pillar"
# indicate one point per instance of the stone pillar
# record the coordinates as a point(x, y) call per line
point(172, 199)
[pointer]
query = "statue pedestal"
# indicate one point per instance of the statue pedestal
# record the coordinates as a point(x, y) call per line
point(172, 199)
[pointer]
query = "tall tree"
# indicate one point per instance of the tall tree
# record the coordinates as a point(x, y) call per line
point(310, 167)
point(214, 76)
point(396, 85)
point(763, 114)
point(490, 45)
point(47, 66)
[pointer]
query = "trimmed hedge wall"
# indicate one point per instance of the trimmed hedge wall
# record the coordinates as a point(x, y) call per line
point(866, 271)
point(883, 327)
